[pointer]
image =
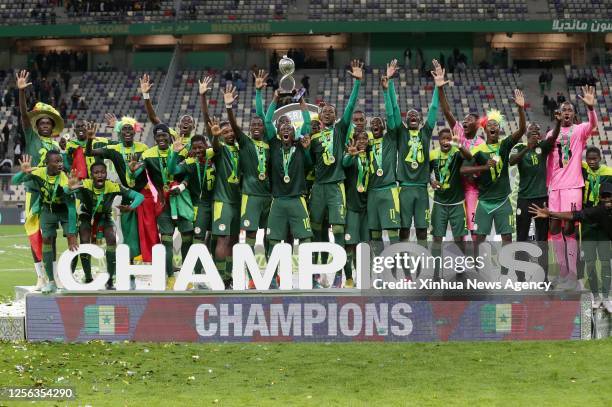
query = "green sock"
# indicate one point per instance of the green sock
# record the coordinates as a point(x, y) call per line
point(436, 251)
point(198, 267)
point(86, 263)
point(318, 237)
point(229, 262)
point(186, 242)
point(338, 231)
point(377, 242)
point(167, 242)
point(212, 244)
point(47, 258)
point(73, 263)
point(393, 236)
point(221, 264)
point(271, 244)
point(348, 267)
point(110, 261)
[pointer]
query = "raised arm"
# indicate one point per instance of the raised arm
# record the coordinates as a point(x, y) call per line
point(173, 167)
point(204, 88)
point(397, 115)
point(357, 73)
point(260, 84)
point(519, 99)
point(145, 87)
point(268, 123)
point(229, 97)
point(22, 84)
point(438, 75)
point(25, 170)
point(136, 197)
point(516, 158)
point(305, 129)
point(589, 100)
point(215, 130)
point(463, 150)
point(432, 112)
point(391, 124)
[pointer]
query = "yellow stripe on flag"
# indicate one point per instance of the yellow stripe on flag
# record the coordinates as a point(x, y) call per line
point(503, 318)
point(106, 315)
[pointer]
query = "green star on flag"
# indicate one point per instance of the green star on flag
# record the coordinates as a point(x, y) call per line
point(503, 318)
point(106, 320)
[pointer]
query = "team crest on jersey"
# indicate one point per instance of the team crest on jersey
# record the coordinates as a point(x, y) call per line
point(347, 237)
point(222, 227)
point(518, 211)
point(197, 230)
point(247, 223)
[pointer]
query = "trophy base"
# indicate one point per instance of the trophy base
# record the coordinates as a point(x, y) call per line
point(286, 93)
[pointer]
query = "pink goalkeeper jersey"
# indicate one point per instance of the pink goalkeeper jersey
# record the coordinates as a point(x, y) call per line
point(559, 176)
point(469, 184)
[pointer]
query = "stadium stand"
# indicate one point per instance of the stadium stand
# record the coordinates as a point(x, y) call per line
point(128, 11)
point(244, 10)
point(26, 12)
point(365, 10)
point(600, 9)
point(603, 136)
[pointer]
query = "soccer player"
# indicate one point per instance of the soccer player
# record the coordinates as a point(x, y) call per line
point(253, 157)
point(40, 127)
point(595, 242)
point(467, 131)
point(328, 195)
point(186, 123)
point(174, 207)
point(530, 159)
point(492, 159)
point(414, 142)
point(56, 207)
point(139, 239)
point(449, 198)
point(356, 165)
point(76, 157)
point(96, 195)
point(226, 196)
point(289, 161)
point(599, 216)
point(564, 180)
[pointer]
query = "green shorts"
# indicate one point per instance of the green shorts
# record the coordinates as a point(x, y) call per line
point(595, 243)
point(330, 200)
point(254, 212)
point(105, 221)
point(50, 220)
point(203, 219)
point(286, 214)
point(356, 228)
point(442, 215)
point(226, 219)
point(384, 209)
point(166, 225)
point(503, 217)
point(414, 202)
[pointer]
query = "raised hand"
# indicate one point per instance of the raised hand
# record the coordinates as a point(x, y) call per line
point(455, 139)
point(204, 85)
point(215, 127)
point(230, 95)
point(260, 79)
point(356, 69)
point(589, 95)
point(110, 119)
point(391, 68)
point(351, 149)
point(73, 180)
point(25, 164)
point(177, 146)
point(135, 164)
point(384, 82)
point(539, 212)
point(558, 115)
point(438, 74)
point(145, 84)
point(91, 129)
point(125, 208)
point(519, 98)
point(305, 140)
point(22, 79)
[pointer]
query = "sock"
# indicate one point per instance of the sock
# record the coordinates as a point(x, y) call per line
point(47, 255)
point(186, 242)
point(393, 236)
point(318, 237)
point(86, 263)
point(338, 231)
point(110, 261)
point(348, 267)
point(606, 277)
point(73, 263)
point(167, 242)
point(38, 266)
point(572, 255)
point(198, 266)
point(271, 244)
point(229, 263)
point(54, 265)
point(377, 242)
point(212, 245)
point(221, 264)
point(436, 251)
point(560, 256)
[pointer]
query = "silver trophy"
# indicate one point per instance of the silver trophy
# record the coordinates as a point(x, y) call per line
point(286, 67)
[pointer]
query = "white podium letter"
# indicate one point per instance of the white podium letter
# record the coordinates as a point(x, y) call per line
point(157, 268)
point(64, 271)
point(307, 269)
point(245, 258)
point(210, 274)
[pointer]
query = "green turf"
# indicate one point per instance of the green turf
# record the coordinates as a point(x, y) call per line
point(528, 373)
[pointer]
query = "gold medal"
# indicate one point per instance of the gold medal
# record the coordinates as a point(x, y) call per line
point(379, 172)
point(414, 165)
point(360, 188)
point(262, 176)
point(565, 162)
point(287, 179)
point(496, 158)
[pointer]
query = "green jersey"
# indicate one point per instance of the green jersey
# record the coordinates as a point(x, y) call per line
point(446, 168)
point(37, 146)
point(593, 181)
point(494, 184)
point(199, 176)
point(288, 167)
point(100, 200)
point(156, 165)
point(227, 185)
point(383, 160)
point(254, 157)
point(413, 157)
point(357, 170)
point(121, 156)
point(532, 170)
point(74, 145)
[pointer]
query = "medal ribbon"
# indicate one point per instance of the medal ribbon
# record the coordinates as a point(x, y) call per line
point(362, 173)
point(377, 153)
point(594, 184)
point(55, 185)
point(416, 149)
point(128, 177)
point(233, 156)
point(566, 145)
point(495, 171)
point(200, 175)
point(261, 158)
point(327, 137)
point(287, 159)
point(162, 169)
point(443, 172)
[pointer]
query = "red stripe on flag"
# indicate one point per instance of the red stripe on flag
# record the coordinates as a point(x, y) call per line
point(519, 319)
point(122, 320)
